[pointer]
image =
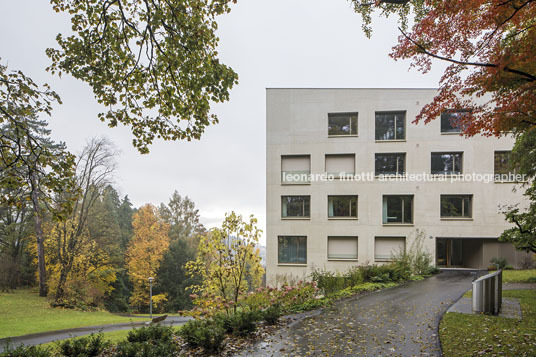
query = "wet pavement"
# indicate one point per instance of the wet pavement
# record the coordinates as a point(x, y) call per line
point(402, 321)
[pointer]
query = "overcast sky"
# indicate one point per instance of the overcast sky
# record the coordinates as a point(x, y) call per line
point(269, 43)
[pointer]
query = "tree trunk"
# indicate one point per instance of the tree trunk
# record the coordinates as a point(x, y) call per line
point(61, 284)
point(39, 238)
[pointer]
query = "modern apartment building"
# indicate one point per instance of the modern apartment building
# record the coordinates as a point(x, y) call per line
point(351, 180)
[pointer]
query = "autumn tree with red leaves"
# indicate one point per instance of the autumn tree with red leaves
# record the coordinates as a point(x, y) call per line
point(490, 45)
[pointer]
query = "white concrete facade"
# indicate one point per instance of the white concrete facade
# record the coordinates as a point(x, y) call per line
point(297, 124)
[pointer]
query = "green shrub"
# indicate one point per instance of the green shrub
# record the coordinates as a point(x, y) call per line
point(376, 273)
point(207, 333)
point(25, 351)
point(328, 282)
point(354, 276)
point(89, 346)
point(151, 341)
point(501, 262)
point(240, 323)
point(271, 314)
point(145, 349)
point(152, 333)
point(399, 270)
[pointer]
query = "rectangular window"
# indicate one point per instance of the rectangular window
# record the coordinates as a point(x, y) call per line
point(342, 124)
point(453, 120)
point(447, 163)
point(342, 248)
point(292, 250)
point(397, 209)
point(456, 206)
point(340, 164)
point(390, 125)
point(295, 206)
point(295, 169)
point(390, 164)
point(342, 206)
point(504, 169)
point(386, 248)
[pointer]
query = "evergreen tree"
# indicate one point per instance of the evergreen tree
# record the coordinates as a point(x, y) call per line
point(185, 227)
point(124, 215)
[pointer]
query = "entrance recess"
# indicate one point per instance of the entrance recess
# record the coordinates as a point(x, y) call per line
point(449, 252)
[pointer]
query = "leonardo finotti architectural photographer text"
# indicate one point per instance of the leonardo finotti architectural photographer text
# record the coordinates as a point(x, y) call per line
point(410, 177)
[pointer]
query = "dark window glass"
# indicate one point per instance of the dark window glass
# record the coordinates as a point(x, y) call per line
point(390, 125)
point(452, 120)
point(503, 163)
point(398, 209)
point(292, 250)
point(342, 124)
point(342, 206)
point(295, 206)
point(445, 163)
point(390, 164)
point(456, 206)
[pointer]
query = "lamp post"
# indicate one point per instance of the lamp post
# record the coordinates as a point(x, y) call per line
point(151, 296)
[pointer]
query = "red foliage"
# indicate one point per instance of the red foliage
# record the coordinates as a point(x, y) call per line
point(491, 45)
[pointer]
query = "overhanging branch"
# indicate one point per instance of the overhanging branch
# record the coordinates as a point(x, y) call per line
point(527, 76)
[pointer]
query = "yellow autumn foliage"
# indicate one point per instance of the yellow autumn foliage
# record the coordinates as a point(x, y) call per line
point(91, 275)
point(145, 252)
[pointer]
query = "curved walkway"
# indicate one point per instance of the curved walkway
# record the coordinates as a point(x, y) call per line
point(50, 336)
point(402, 321)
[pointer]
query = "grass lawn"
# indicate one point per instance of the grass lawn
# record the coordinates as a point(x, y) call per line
point(23, 312)
point(519, 276)
point(469, 335)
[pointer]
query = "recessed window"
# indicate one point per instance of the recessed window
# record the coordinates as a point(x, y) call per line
point(342, 206)
point(340, 164)
point(292, 250)
point(295, 169)
point(386, 248)
point(342, 124)
point(342, 248)
point(390, 164)
point(504, 169)
point(398, 209)
point(453, 120)
point(295, 206)
point(390, 125)
point(447, 163)
point(456, 206)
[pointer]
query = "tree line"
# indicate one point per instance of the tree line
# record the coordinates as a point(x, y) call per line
point(97, 249)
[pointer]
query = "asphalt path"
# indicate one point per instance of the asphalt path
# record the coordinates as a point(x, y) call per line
point(401, 321)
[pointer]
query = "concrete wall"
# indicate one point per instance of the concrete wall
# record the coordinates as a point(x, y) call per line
point(296, 122)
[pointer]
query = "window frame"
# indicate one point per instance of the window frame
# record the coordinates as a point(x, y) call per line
point(398, 155)
point(279, 262)
point(282, 173)
point(338, 174)
point(350, 208)
point(452, 173)
point(356, 238)
point(463, 197)
point(402, 211)
point(394, 112)
point(349, 114)
point(451, 111)
point(303, 204)
point(388, 237)
point(513, 170)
